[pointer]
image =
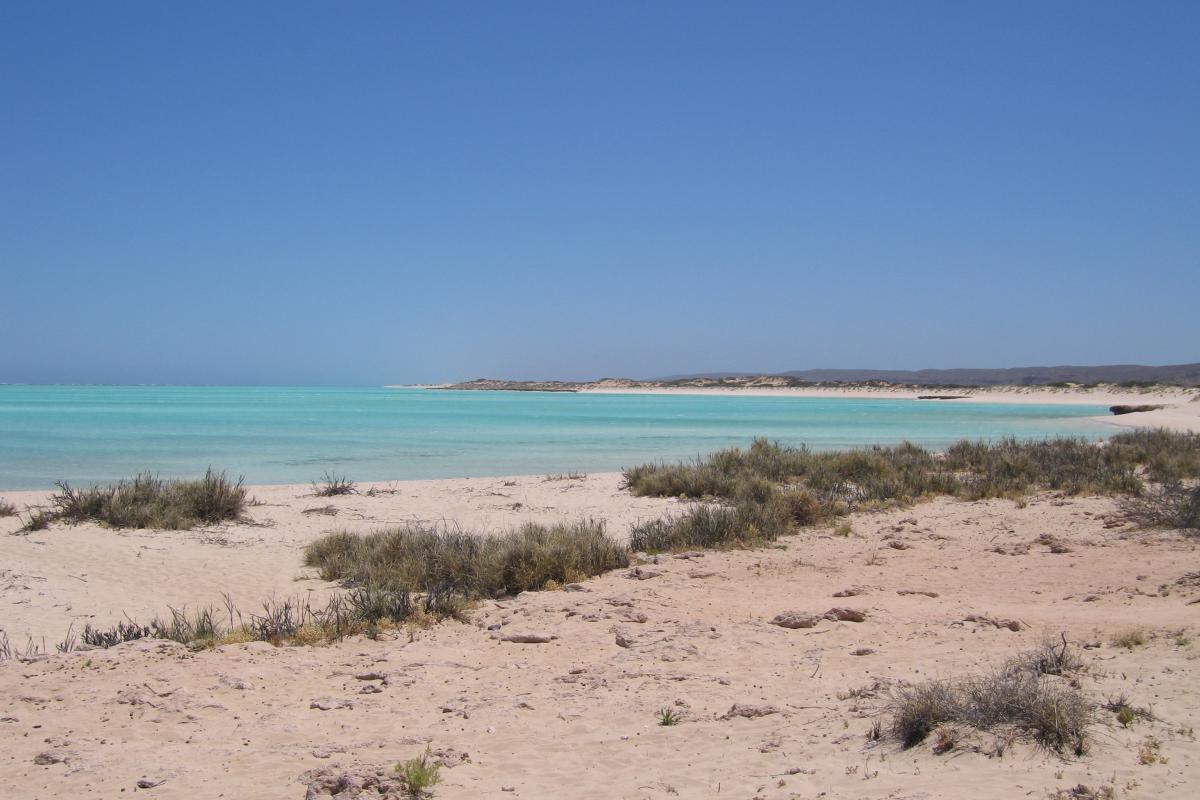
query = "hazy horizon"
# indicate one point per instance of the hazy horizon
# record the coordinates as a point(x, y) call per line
point(298, 194)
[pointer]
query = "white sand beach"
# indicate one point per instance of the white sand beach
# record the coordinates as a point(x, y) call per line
point(1181, 412)
point(767, 712)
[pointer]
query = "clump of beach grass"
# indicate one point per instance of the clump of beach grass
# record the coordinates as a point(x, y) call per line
point(425, 559)
point(1129, 639)
point(146, 501)
point(39, 519)
point(1167, 505)
point(1018, 695)
point(712, 526)
point(292, 621)
point(7, 509)
point(333, 485)
point(668, 717)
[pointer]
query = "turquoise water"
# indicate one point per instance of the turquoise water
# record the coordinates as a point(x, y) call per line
point(293, 435)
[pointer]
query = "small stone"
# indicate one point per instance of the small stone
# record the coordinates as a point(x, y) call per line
point(795, 619)
point(749, 712)
point(331, 703)
point(639, 574)
point(325, 751)
point(50, 757)
point(846, 614)
point(234, 682)
point(449, 757)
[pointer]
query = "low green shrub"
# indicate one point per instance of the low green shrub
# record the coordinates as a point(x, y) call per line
point(420, 774)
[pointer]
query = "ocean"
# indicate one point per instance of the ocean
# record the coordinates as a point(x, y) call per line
point(98, 434)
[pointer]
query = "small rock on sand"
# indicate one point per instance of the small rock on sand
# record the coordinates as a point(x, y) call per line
point(330, 703)
point(50, 757)
point(749, 711)
point(846, 614)
point(795, 619)
point(639, 574)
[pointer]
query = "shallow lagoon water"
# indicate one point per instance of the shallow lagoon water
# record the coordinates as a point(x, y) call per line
point(88, 434)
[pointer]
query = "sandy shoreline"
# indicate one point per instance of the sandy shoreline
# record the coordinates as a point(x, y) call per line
point(1182, 412)
point(78, 574)
point(575, 716)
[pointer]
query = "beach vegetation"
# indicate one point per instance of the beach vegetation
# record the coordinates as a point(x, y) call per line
point(565, 476)
point(334, 485)
point(1013, 696)
point(39, 519)
point(473, 566)
point(747, 523)
point(1167, 505)
point(1129, 639)
point(816, 486)
point(419, 774)
point(1082, 792)
point(1127, 713)
point(146, 501)
point(1150, 752)
point(668, 717)
point(7, 509)
point(291, 621)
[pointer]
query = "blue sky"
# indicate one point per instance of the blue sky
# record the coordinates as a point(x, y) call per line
point(363, 193)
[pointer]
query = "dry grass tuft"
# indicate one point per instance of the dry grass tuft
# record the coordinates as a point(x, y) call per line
point(333, 485)
point(1167, 505)
point(474, 566)
point(1129, 639)
point(1019, 695)
point(146, 501)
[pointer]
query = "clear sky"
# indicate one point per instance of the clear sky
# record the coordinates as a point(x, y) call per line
point(375, 192)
